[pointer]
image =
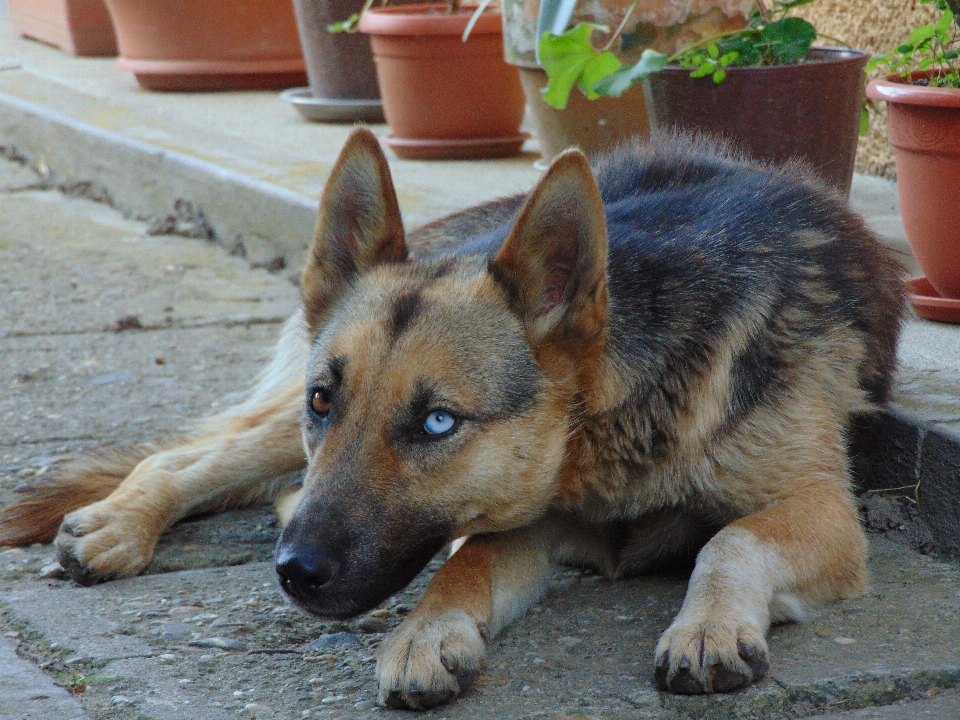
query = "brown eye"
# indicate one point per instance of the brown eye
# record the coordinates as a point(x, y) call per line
point(320, 402)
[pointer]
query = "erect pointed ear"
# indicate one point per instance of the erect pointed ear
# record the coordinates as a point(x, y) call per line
point(553, 265)
point(359, 227)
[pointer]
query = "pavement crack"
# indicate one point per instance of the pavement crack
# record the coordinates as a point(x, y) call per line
point(183, 325)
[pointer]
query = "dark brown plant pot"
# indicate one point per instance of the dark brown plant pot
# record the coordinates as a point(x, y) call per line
point(591, 125)
point(209, 44)
point(445, 98)
point(78, 27)
point(923, 125)
point(809, 111)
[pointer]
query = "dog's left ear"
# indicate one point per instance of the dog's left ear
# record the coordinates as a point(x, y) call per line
point(359, 227)
point(553, 265)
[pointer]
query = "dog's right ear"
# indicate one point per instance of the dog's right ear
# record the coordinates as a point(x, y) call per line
point(359, 226)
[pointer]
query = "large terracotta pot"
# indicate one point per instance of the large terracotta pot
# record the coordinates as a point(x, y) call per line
point(923, 125)
point(445, 98)
point(209, 44)
point(78, 27)
point(809, 111)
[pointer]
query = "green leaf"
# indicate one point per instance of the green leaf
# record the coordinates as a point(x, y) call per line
point(924, 32)
point(703, 70)
point(615, 85)
point(946, 20)
point(713, 51)
point(789, 38)
point(596, 69)
point(864, 121)
point(349, 25)
point(719, 76)
point(567, 58)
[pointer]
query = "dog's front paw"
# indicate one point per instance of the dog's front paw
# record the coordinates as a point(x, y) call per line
point(713, 653)
point(103, 541)
point(430, 659)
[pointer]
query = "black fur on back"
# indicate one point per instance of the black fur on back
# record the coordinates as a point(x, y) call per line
point(701, 240)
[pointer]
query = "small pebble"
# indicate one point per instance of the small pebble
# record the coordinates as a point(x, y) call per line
point(176, 631)
point(843, 640)
point(538, 661)
point(53, 571)
point(333, 699)
point(401, 609)
point(381, 613)
point(121, 700)
point(365, 705)
point(327, 657)
point(373, 625)
point(167, 657)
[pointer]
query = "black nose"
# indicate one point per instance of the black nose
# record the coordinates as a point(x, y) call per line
point(304, 573)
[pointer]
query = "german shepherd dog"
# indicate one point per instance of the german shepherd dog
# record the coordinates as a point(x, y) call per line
point(631, 367)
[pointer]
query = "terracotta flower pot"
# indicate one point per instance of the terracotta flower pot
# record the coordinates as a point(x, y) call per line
point(209, 44)
point(78, 27)
point(445, 98)
point(923, 125)
point(809, 111)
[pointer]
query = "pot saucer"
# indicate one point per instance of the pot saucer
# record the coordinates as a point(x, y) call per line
point(929, 304)
point(332, 109)
point(456, 149)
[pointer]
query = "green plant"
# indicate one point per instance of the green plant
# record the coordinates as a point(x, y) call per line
point(929, 48)
point(771, 37)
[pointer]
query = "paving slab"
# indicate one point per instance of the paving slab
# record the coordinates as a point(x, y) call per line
point(27, 693)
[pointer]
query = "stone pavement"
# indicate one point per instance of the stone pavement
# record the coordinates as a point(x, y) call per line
point(113, 332)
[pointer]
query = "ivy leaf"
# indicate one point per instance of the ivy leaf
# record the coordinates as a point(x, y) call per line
point(615, 85)
point(570, 59)
point(789, 38)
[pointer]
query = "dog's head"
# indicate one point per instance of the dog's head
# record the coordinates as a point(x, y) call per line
point(439, 393)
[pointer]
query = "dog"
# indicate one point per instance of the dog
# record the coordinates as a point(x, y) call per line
point(650, 362)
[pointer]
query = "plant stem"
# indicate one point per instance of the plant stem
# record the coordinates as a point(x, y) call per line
point(623, 24)
point(765, 12)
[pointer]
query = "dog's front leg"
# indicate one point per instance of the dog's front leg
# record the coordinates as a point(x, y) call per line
point(240, 459)
point(437, 651)
point(799, 552)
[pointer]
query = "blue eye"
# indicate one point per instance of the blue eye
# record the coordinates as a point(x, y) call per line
point(438, 422)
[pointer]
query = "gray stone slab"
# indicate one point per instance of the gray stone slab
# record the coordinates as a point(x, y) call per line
point(27, 693)
point(938, 706)
point(586, 649)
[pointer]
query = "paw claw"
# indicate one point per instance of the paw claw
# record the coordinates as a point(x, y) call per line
point(710, 656)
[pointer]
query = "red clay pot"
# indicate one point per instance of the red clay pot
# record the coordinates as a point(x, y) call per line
point(78, 27)
point(810, 110)
point(209, 44)
point(444, 98)
point(923, 125)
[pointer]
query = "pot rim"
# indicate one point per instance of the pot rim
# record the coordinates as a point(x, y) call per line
point(428, 19)
point(893, 89)
point(821, 55)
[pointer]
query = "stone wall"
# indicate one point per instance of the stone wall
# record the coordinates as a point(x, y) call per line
point(876, 26)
